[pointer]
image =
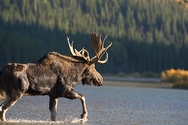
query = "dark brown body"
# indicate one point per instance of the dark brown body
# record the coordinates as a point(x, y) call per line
point(54, 75)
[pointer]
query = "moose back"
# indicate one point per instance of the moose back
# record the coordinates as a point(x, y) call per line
point(54, 75)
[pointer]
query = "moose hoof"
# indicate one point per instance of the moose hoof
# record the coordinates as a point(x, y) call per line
point(84, 116)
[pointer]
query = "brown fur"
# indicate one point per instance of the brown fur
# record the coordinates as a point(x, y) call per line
point(53, 74)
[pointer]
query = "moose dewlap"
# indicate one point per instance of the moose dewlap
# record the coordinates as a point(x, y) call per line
point(54, 75)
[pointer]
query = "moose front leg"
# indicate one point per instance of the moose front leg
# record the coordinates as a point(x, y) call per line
point(74, 95)
point(53, 108)
point(84, 114)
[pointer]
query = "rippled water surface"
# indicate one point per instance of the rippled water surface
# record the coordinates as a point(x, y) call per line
point(107, 105)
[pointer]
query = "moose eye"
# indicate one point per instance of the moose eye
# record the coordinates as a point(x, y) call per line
point(86, 72)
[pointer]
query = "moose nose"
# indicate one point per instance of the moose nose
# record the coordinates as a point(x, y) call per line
point(100, 84)
point(100, 81)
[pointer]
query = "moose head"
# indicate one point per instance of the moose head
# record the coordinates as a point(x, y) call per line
point(90, 75)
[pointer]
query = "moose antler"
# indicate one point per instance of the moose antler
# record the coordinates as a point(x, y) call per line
point(82, 53)
point(98, 47)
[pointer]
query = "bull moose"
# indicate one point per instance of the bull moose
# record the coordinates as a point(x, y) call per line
point(54, 75)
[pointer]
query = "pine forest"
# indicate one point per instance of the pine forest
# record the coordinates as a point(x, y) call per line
point(147, 35)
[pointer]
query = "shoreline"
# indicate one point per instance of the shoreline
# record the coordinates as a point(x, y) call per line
point(135, 82)
point(132, 79)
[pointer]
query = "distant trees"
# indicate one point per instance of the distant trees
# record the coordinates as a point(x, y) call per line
point(147, 35)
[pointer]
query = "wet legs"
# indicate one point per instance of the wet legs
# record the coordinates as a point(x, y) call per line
point(53, 108)
point(7, 104)
point(74, 95)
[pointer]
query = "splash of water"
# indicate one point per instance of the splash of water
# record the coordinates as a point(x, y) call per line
point(68, 120)
point(23, 121)
point(76, 120)
point(72, 119)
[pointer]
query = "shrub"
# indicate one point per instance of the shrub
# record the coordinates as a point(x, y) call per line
point(178, 77)
point(150, 75)
point(135, 74)
point(121, 74)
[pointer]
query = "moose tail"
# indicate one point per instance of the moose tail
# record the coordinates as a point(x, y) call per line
point(2, 92)
point(1, 70)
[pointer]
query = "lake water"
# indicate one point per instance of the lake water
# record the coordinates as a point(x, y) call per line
point(107, 105)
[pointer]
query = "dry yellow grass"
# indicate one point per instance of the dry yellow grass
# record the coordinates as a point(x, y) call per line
point(183, 2)
point(178, 77)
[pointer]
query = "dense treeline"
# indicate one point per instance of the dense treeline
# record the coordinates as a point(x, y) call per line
point(147, 35)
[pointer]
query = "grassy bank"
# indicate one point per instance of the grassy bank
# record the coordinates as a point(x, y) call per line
point(137, 84)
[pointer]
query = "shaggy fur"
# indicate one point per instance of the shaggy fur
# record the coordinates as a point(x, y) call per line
point(53, 74)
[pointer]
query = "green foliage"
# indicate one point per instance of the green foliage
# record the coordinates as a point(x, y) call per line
point(147, 35)
point(150, 75)
point(135, 75)
point(121, 74)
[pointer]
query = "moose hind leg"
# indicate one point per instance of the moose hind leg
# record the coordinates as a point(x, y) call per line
point(7, 104)
point(74, 95)
point(53, 108)
point(3, 103)
point(2, 112)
